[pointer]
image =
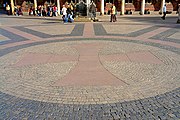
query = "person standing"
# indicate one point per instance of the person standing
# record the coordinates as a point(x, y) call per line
point(64, 12)
point(8, 9)
point(113, 12)
point(31, 10)
point(55, 10)
point(164, 12)
point(44, 12)
point(92, 10)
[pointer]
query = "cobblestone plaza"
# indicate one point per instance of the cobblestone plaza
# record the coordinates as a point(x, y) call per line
point(126, 70)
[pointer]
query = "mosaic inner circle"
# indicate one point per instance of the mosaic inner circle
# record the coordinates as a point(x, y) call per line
point(51, 72)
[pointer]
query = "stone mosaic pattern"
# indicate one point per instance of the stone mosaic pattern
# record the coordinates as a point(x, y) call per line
point(36, 81)
point(151, 89)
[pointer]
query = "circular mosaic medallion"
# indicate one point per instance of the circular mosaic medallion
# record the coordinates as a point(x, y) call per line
point(91, 72)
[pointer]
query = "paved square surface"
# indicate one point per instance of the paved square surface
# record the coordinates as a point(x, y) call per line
point(127, 70)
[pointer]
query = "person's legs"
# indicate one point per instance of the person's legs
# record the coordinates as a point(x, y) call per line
point(111, 18)
point(8, 12)
point(164, 15)
point(115, 19)
point(63, 17)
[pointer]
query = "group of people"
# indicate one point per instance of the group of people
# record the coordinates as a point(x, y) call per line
point(18, 11)
point(44, 11)
point(67, 11)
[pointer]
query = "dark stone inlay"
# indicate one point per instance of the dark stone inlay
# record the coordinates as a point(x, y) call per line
point(15, 48)
point(140, 32)
point(163, 106)
point(164, 35)
point(99, 30)
point(36, 33)
point(77, 31)
point(13, 37)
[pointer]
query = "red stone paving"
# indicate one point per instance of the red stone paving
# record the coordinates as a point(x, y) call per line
point(62, 58)
point(89, 70)
point(144, 57)
point(139, 57)
point(39, 58)
point(88, 30)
